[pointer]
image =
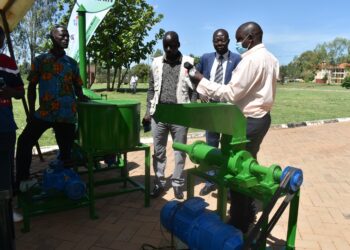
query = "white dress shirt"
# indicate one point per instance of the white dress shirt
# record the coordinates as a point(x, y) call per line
point(215, 66)
point(253, 84)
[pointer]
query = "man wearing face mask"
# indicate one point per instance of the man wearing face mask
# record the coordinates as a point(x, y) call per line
point(252, 88)
point(216, 66)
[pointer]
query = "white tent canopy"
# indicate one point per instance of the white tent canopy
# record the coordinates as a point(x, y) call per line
point(14, 11)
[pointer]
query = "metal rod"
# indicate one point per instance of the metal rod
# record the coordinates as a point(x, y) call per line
point(292, 221)
point(82, 43)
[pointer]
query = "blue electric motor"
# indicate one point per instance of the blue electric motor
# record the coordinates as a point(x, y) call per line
point(57, 178)
point(199, 228)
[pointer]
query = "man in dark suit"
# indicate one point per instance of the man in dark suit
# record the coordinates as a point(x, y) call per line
point(217, 66)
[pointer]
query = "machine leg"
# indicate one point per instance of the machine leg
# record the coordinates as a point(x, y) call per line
point(222, 201)
point(264, 240)
point(190, 185)
point(292, 221)
point(124, 169)
point(90, 165)
point(147, 176)
point(26, 220)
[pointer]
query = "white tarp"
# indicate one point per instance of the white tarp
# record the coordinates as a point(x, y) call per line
point(16, 11)
point(93, 20)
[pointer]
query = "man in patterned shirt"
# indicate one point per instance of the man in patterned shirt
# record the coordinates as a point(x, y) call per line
point(169, 84)
point(59, 84)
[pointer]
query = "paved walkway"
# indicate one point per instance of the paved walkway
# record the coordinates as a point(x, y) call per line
point(323, 152)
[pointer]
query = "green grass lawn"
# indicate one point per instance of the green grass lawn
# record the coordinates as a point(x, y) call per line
point(307, 102)
point(295, 102)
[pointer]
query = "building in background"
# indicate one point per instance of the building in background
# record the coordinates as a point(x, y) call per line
point(332, 74)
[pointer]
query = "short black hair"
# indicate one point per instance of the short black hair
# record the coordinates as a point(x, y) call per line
point(251, 28)
point(56, 27)
point(173, 35)
point(222, 31)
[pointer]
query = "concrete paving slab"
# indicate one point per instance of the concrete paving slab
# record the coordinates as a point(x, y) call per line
point(322, 152)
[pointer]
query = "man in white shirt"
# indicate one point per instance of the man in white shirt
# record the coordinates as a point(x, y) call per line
point(252, 88)
point(133, 83)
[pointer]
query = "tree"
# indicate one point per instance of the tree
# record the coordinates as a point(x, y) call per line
point(306, 64)
point(141, 71)
point(346, 83)
point(196, 58)
point(158, 52)
point(30, 36)
point(119, 40)
point(283, 73)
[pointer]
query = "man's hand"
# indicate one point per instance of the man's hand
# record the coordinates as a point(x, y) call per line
point(196, 78)
point(147, 118)
point(146, 123)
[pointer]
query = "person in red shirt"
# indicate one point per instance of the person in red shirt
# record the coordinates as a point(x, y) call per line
point(11, 86)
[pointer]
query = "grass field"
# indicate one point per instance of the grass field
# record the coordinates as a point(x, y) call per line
point(295, 102)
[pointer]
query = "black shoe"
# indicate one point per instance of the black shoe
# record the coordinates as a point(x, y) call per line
point(178, 193)
point(157, 191)
point(207, 189)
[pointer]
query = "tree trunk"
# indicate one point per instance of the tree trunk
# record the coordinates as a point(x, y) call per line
point(114, 76)
point(125, 74)
point(92, 81)
point(108, 77)
point(121, 77)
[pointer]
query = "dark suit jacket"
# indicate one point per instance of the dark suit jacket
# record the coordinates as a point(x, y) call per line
point(206, 62)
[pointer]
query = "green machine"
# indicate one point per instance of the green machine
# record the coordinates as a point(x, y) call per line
point(105, 128)
point(92, 95)
point(236, 168)
point(111, 127)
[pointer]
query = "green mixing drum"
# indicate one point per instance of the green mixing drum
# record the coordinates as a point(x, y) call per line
point(109, 125)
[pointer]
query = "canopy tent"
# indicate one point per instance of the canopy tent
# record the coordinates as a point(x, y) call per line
point(13, 11)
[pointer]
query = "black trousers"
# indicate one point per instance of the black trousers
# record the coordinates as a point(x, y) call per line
point(7, 153)
point(64, 133)
point(7, 236)
point(243, 210)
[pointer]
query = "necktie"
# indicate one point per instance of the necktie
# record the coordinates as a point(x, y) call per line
point(219, 74)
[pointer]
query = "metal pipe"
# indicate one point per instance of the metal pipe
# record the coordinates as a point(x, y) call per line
point(82, 43)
